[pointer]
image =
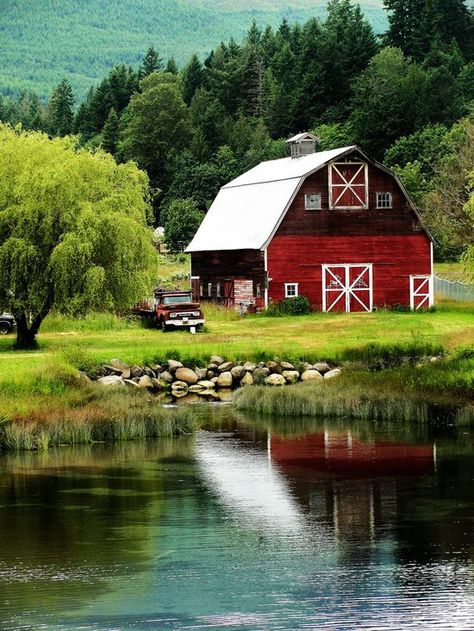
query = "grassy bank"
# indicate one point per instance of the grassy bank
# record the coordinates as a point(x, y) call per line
point(437, 392)
point(42, 386)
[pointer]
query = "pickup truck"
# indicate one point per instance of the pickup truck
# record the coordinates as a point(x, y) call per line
point(7, 323)
point(172, 310)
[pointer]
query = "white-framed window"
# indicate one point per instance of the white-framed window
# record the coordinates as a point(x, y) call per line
point(201, 290)
point(312, 201)
point(384, 200)
point(291, 290)
point(209, 289)
point(218, 290)
point(257, 290)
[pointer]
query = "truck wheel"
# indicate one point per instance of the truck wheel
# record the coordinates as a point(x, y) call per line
point(163, 326)
point(4, 328)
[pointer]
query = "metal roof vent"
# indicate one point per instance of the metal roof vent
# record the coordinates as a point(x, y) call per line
point(302, 144)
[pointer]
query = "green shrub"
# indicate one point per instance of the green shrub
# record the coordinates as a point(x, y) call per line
point(299, 305)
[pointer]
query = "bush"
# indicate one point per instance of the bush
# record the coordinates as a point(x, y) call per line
point(299, 305)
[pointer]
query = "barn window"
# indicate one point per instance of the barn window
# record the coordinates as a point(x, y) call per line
point(291, 290)
point(257, 290)
point(348, 185)
point(209, 289)
point(312, 201)
point(384, 200)
point(201, 290)
point(218, 290)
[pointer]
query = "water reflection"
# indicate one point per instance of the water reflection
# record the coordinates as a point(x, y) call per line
point(251, 527)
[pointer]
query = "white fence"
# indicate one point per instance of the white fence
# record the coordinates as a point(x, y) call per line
point(453, 289)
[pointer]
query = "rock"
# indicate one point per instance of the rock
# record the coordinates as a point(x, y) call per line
point(187, 375)
point(196, 388)
point(179, 386)
point(119, 364)
point(210, 374)
point(291, 376)
point(126, 374)
point(136, 371)
point(249, 366)
point(272, 366)
point(225, 367)
point(179, 393)
point(166, 376)
point(275, 380)
point(149, 372)
point(83, 378)
point(217, 360)
point(160, 384)
point(156, 368)
point(225, 395)
point(237, 372)
point(173, 365)
point(287, 366)
point(214, 380)
point(201, 373)
point(111, 380)
point(247, 379)
point(212, 367)
point(224, 380)
point(311, 375)
point(129, 382)
point(208, 385)
point(208, 393)
point(261, 365)
point(110, 370)
point(260, 374)
point(146, 382)
point(322, 367)
point(332, 373)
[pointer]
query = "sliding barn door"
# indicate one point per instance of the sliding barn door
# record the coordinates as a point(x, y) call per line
point(347, 287)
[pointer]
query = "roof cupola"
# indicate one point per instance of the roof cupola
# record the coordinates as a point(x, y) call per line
point(302, 144)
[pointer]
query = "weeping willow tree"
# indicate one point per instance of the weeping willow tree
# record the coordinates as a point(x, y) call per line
point(73, 230)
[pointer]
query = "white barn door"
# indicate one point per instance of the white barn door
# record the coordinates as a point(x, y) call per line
point(421, 292)
point(347, 287)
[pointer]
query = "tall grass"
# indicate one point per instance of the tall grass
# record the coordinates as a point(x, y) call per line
point(108, 416)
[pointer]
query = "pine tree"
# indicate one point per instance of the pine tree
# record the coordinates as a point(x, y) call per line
point(59, 114)
point(110, 133)
point(192, 78)
point(404, 20)
point(171, 66)
point(152, 62)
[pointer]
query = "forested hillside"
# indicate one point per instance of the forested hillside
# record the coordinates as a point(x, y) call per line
point(45, 40)
point(405, 96)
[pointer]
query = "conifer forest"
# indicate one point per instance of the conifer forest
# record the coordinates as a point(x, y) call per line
point(404, 94)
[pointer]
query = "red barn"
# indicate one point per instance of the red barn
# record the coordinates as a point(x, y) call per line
point(335, 226)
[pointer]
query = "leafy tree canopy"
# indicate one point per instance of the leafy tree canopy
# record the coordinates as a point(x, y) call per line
point(182, 221)
point(73, 230)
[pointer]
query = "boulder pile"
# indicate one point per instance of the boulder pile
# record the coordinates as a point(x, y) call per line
point(218, 374)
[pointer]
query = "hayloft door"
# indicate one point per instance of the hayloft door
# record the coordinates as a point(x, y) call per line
point(421, 292)
point(347, 287)
point(229, 293)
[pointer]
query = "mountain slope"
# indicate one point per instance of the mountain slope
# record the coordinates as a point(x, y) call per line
point(43, 41)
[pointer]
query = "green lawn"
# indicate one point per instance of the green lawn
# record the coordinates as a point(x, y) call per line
point(29, 380)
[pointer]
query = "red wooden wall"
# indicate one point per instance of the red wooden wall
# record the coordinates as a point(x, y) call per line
point(298, 259)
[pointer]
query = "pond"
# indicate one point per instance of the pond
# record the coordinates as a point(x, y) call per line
point(248, 525)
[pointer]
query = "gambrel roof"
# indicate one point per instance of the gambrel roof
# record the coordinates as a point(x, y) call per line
point(248, 210)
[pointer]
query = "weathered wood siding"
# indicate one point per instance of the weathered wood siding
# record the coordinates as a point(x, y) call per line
point(298, 259)
point(219, 266)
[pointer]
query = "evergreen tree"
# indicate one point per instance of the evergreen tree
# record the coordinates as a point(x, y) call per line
point(152, 62)
point(171, 66)
point(59, 114)
point(110, 133)
point(192, 78)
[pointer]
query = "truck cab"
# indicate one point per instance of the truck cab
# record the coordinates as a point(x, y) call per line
point(176, 310)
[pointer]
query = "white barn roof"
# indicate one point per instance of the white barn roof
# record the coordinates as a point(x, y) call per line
point(247, 210)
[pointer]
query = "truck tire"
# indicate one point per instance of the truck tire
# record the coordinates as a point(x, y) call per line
point(163, 326)
point(4, 328)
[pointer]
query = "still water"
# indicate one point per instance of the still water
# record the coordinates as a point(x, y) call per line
point(250, 525)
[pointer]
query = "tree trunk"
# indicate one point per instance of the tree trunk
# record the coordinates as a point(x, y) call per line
point(25, 335)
